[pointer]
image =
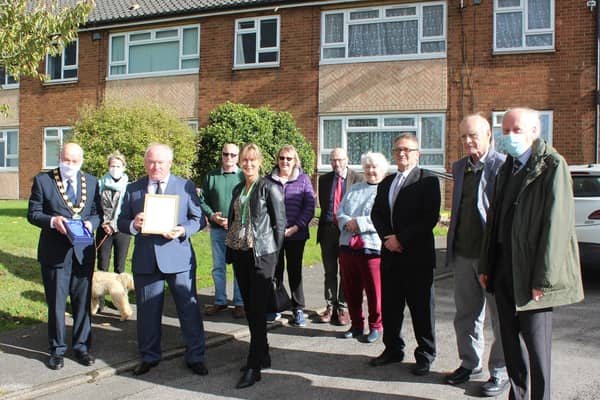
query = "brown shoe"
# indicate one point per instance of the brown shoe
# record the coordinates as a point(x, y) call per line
point(212, 309)
point(325, 318)
point(343, 318)
point(238, 312)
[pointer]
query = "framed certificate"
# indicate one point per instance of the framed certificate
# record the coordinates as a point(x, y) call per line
point(160, 213)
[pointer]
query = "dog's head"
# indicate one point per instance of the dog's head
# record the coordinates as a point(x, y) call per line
point(126, 280)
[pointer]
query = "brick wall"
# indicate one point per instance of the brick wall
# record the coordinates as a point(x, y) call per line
point(44, 105)
point(561, 81)
point(292, 87)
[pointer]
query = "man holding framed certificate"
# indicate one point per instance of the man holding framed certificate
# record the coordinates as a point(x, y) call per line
point(162, 211)
point(65, 204)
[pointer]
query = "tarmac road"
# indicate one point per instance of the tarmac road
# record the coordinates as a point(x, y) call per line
point(311, 362)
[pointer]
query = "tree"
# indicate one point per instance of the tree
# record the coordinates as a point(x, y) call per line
point(130, 129)
point(241, 124)
point(29, 30)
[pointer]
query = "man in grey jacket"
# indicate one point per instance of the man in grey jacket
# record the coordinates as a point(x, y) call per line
point(474, 177)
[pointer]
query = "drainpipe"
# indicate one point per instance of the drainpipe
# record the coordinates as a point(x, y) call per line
point(597, 94)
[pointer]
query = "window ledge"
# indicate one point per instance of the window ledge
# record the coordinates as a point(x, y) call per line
point(60, 82)
point(242, 67)
point(521, 51)
point(333, 61)
point(9, 87)
point(151, 75)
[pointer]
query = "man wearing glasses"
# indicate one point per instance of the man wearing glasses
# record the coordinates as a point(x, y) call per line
point(215, 197)
point(406, 209)
point(332, 187)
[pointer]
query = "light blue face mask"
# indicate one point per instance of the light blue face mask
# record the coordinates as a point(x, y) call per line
point(515, 144)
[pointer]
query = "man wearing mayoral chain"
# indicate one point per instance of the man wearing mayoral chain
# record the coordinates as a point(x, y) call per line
point(59, 197)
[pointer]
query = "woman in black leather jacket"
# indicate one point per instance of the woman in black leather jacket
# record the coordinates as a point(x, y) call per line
point(254, 238)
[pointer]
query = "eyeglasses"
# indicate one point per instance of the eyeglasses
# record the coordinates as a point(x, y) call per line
point(282, 158)
point(232, 155)
point(403, 150)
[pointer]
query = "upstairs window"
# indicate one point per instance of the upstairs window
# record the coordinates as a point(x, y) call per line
point(257, 42)
point(166, 51)
point(63, 66)
point(546, 133)
point(523, 25)
point(54, 138)
point(397, 32)
point(360, 134)
point(7, 81)
point(9, 149)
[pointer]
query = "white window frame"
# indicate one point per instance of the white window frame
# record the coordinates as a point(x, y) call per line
point(62, 130)
point(128, 43)
point(63, 66)
point(4, 82)
point(193, 125)
point(383, 18)
point(9, 156)
point(497, 116)
point(523, 9)
point(257, 29)
point(416, 127)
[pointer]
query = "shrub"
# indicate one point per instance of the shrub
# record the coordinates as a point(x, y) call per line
point(241, 124)
point(130, 129)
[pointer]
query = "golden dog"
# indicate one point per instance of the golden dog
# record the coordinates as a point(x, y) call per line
point(117, 285)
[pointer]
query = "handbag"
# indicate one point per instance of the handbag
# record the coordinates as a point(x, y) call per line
point(280, 301)
point(356, 242)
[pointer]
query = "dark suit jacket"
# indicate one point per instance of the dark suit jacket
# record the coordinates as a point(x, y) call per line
point(171, 256)
point(54, 248)
point(325, 183)
point(485, 191)
point(415, 214)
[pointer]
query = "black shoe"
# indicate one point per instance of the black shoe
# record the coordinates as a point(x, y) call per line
point(352, 333)
point(494, 386)
point(248, 379)
point(198, 368)
point(55, 361)
point(421, 368)
point(144, 367)
point(387, 357)
point(265, 364)
point(84, 358)
point(462, 375)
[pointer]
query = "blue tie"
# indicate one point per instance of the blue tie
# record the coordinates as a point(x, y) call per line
point(71, 192)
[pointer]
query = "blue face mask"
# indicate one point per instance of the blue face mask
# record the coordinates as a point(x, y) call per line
point(515, 144)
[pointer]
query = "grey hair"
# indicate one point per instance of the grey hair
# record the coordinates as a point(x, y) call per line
point(378, 159)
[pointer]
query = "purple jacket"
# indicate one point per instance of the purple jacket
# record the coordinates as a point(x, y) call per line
point(299, 198)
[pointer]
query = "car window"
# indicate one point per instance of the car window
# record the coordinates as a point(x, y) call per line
point(586, 186)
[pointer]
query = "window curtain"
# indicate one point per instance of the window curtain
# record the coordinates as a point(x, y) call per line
point(509, 30)
point(538, 14)
point(381, 39)
point(361, 142)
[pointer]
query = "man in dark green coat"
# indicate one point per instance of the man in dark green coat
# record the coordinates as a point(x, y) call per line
point(530, 259)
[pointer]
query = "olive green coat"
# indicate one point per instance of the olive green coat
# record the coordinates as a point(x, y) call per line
point(545, 255)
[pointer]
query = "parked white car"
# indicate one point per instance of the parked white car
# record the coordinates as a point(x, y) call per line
point(586, 189)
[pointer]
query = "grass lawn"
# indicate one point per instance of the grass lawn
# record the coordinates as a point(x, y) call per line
point(22, 299)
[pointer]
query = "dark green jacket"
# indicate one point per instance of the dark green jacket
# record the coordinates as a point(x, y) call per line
point(544, 246)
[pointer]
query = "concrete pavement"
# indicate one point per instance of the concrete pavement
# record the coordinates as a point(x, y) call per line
point(308, 362)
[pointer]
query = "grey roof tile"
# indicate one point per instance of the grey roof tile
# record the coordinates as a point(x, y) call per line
point(115, 11)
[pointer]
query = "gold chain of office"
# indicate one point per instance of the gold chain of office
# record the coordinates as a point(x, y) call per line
point(63, 192)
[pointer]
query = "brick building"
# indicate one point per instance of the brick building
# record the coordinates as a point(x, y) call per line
point(352, 73)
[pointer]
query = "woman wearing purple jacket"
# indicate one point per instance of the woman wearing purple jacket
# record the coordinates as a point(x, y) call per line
point(299, 199)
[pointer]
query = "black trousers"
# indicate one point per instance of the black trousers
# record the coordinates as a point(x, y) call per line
point(526, 339)
point(292, 252)
point(120, 242)
point(410, 285)
point(72, 280)
point(255, 279)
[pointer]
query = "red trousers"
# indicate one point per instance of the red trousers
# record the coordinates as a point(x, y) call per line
point(362, 272)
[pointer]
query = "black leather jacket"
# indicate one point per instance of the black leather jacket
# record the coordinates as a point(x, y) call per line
point(267, 211)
